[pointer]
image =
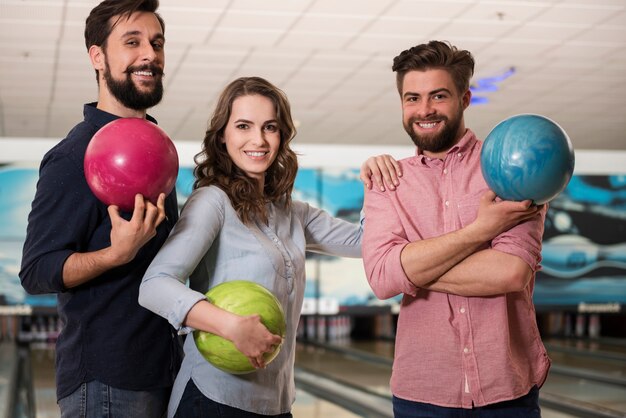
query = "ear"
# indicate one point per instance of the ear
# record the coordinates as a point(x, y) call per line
point(96, 55)
point(467, 97)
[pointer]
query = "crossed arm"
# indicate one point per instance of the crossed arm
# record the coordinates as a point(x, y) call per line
point(455, 262)
point(460, 262)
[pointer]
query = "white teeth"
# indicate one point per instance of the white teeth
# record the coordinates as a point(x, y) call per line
point(427, 125)
point(147, 73)
point(255, 154)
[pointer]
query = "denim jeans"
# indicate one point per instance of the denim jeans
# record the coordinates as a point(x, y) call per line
point(195, 404)
point(96, 400)
point(525, 407)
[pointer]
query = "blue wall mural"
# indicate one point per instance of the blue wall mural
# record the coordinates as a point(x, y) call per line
point(584, 250)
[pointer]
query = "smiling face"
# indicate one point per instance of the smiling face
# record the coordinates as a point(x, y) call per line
point(131, 64)
point(432, 110)
point(252, 135)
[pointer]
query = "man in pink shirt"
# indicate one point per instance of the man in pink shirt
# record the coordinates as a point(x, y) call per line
point(464, 260)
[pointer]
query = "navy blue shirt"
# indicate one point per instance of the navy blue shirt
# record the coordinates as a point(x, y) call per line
point(106, 335)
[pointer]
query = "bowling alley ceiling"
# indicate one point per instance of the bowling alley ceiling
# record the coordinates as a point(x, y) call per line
point(562, 59)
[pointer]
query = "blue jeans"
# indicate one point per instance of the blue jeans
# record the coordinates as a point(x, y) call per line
point(97, 400)
point(195, 404)
point(525, 407)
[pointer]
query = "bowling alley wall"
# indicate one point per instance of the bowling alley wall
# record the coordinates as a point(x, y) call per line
point(580, 291)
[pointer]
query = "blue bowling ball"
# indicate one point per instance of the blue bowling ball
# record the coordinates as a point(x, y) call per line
point(527, 157)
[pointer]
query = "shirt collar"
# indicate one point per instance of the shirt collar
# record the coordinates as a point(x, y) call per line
point(467, 141)
point(99, 118)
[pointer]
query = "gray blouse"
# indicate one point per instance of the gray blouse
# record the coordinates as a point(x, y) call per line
point(210, 245)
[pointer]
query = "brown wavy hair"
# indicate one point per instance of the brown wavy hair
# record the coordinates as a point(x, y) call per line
point(215, 167)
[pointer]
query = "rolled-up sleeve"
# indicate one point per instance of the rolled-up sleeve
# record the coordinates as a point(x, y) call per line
point(524, 240)
point(383, 241)
point(163, 289)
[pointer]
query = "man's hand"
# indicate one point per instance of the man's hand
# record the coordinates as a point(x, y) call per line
point(496, 216)
point(381, 170)
point(127, 237)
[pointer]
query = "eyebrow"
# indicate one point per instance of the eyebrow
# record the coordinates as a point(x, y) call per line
point(130, 33)
point(252, 123)
point(430, 93)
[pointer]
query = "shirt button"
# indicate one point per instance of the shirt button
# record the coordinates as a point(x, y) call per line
point(462, 310)
point(466, 350)
point(459, 155)
point(447, 203)
point(445, 171)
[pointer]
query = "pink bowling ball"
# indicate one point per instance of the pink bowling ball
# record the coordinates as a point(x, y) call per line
point(129, 156)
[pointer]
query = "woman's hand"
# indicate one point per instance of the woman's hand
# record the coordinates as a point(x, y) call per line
point(381, 170)
point(253, 339)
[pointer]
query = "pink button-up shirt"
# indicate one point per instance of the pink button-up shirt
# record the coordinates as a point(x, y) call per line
point(451, 350)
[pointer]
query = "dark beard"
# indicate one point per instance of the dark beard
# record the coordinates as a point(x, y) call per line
point(442, 141)
point(126, 92)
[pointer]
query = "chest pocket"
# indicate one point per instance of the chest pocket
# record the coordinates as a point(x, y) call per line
point(468, 209)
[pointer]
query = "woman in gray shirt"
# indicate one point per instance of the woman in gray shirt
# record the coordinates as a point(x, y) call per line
point(241, 224)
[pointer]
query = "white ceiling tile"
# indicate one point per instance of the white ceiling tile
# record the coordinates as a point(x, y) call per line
point(31, 11)
point(331, 23)
point(244, 37)
point(599, 3)
point(473, 29)
point(553, 32)
point(617, 19)
point(506, 12)
point(207, 57)
point(567, 13)
point(13, 30)
point(77, 12)
point(349, 7)
point(603, 36)
point(268, 56)
point(386, 45)
point(257, 20)
point(518, 48)
point(410, 25)
point(186, 34)
point(315, 40)
point(576, 52)
point(291, 6)
point(27, 54)
point(338, 60)
point(181, 13)
point(427, 9)
point(73, 34)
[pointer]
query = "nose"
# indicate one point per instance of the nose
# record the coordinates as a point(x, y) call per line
point(148, 52)
point(425, 108)
point(258, 137)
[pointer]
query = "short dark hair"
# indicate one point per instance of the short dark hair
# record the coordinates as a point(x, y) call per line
point(98, 25)
point(436, 55)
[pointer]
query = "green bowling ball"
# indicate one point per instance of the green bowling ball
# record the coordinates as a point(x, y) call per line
point(242, 298)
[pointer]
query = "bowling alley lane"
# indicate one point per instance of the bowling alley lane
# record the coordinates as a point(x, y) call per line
point(41, 358)
point(579, 384)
